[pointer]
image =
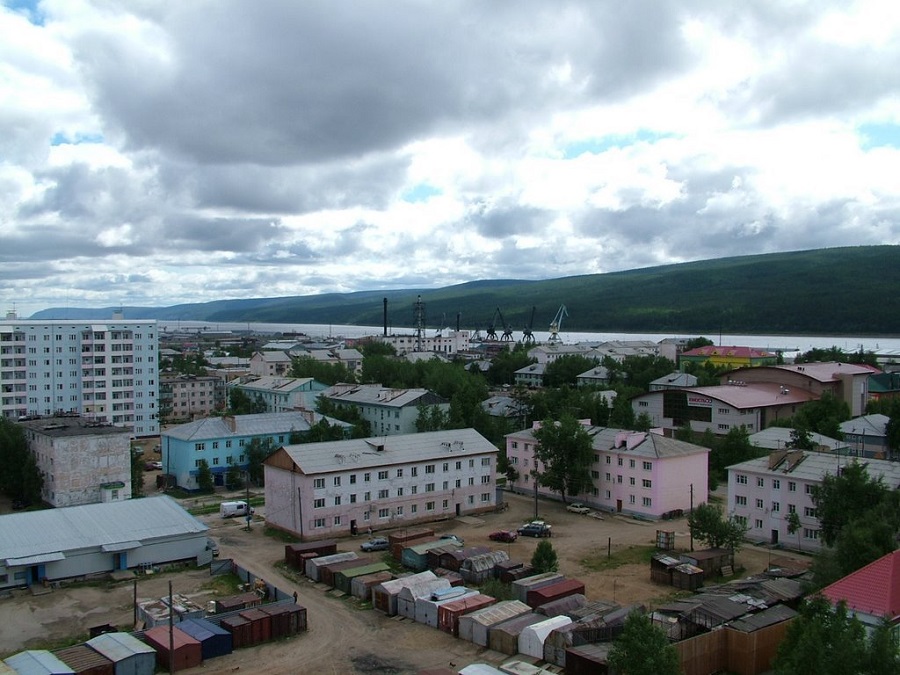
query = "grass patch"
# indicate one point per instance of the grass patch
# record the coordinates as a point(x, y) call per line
point(224, 584)
point(633, 555)
point(280, 535)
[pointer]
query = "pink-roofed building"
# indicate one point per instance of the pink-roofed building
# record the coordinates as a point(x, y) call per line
point(871, 592)
point(642, 474)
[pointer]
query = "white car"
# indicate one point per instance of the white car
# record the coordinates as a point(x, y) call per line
point(578, 507)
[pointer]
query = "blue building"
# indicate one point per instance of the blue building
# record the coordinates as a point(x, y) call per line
point(223, 442)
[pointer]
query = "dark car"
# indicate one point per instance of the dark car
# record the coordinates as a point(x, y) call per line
point(376, 544)
point(503, 535)
point(535, 530)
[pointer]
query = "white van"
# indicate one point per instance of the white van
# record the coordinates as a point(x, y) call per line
point(232, 509)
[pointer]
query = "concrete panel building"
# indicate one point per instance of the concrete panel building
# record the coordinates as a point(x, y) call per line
point(389, 412)
point(281, 394)
point(188, 397)
point(106, 370)
point(320, 490)
point(82, 461)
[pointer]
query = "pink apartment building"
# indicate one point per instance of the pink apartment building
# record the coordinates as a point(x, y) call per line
point(641, 474)
point(335, 488)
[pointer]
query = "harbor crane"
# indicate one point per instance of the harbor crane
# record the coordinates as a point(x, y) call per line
point(506, 336)
point(527, 334)
point(556, 324)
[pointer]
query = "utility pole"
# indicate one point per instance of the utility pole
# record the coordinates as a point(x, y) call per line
point(692, 511)
point(249, 515)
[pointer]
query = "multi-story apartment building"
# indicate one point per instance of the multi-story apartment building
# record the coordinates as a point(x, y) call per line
point(81, 461)
point(281, 394)
point(642, 474)
point(389, 412)
point(188, 397)
point(102, 370)
point(763, 492)
point(320, 490)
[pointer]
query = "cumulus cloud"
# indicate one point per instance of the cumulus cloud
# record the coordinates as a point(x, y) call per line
point(157, 153)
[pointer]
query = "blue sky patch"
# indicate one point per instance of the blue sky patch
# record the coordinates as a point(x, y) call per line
point(596, 146)
point(879, 135)
point(59, 138)
point(420, 193)
point(28, 8)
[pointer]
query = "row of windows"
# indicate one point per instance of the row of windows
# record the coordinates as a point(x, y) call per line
point(385, 512)
point(215, 461)
point(384, 474)
point(808, 511)
point(385, 493)
point(741, 479)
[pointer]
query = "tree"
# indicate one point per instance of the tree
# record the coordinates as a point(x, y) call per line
point(137, 475)
point(823, 640)
point(321, 371)
point(20, 478)
point(566, 369)
point(622, 414)
point(845, 497)
point(204, 477)
point(544, 558)
point(257, 451)
point(643, 649)
point(565, 449)
point(800, 439)
point(793, 527)
point(708, 524)
point(240, 403)
point(234, 479)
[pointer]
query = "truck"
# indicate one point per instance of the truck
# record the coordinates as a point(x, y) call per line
point(232, 509)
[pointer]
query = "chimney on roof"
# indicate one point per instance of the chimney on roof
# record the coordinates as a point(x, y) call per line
point(230, 423)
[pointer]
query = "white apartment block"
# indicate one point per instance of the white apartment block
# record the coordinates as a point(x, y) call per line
point(103, 370)
point(763, 492)
point(82, 462)
point(319, 490)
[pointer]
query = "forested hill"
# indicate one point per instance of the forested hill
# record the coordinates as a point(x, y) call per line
point(854, 290)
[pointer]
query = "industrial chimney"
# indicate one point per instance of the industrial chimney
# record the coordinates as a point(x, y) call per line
point(385, 317)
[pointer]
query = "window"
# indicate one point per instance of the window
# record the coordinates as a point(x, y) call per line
point(808, 488)
point(446, 467)
point(792, 508)
point(646, 483)
point(810, 512)
point(631, 499)
point(760, 482)
point(485, 461)
point(810, 533)
point(472, 461)
point(337, 481)
point(630, 463)
point(445, 504)
point(337, 500)
point(644, 404)
point(742, 520)
point(367, 477)
point(382, 494)
point(319, 483)
point(608, 459)
point(414, 508)
point(367, 497)
point(319, 522)
point(215, 461)
point(414, 471)
point(413, 489)
point(446, 485)
point(485, 497)
point(399, 492)
point(352, 479)
point(740, 500)
point(459, 465)
point(741, 479)
point(619, 479)
point(647, 502)
point(595, 475)
point(776, 507)
point(759, 503)
point(215, 445)
point(631, 480)
point(399, 473)
point(758, 524)
point(429, 487)
point(199, 447)
point(337, 520)
point(353, 498)
point(620, 461)
point(382, 475)
point(429, 506)
point(792, 486)
point(776, 484)
point(384, 513)
point(429, 468)
point(319, 503)
point(399, 510)
point(648, 466)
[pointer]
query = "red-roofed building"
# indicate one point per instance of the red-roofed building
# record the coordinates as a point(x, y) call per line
point(729, 357)
point(872, 592)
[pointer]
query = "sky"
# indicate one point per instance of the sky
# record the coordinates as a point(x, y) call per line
point(157, 153)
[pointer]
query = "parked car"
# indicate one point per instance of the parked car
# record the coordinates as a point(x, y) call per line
point(152, 466)
point(535, 528)
point(503, 535)
point(376, 544)
point(578, 507)
point(453, 537)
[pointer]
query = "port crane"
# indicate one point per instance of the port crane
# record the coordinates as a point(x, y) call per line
point(527, 334)
point(506, 336)
point(556, 324)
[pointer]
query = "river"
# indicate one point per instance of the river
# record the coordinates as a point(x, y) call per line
point(785, 343)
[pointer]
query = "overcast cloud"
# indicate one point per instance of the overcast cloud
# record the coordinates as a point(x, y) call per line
point(154, 153)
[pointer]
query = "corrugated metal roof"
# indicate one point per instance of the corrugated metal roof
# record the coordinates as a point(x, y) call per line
point(119, 646)
point(37, 662)
point(259, 424)
point(815, 465)
point(767, 617)
point(35, 533)
point(377, 395)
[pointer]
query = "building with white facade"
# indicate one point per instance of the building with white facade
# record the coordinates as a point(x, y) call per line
point(105, 370)
point(187, 397)
point(281, 394)
point(866, 436)
point(224, 442)
point(82, 461)
point(270, 364)
point(643, 474)
point(763, 492)
point(389, 412)
point(451, 344)
point(336, 488)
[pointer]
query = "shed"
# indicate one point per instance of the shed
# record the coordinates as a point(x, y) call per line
point(585, 631)
point(450, 613)
point(591, 608)
point(453, 560)
point(384, 595)
point(479, 568)
point(513, 575)
point(361, 587)
point(214, 640)
point(427, 608)
point(37, 662)
point(687, 577)
point(292, 551)
point(287, 619)
point(504, 637)
point(562, 605)
point(400, 540)
point(186, 651)
point(433, 556)
point(129, 655)
point(233, 603)
point(454, 578)
point(406, 598)
point(551, 592)
point(415, 557)
point(710, 560)
point(521, 587)
point(315, 564)
point(474, 627)
point(240, 629)
point(588, 659)
point(260, 625)
point(85, 661)
point(531, 639)
point(661, 566)
point(505, 566)
point(344, 578)
point(327, 572)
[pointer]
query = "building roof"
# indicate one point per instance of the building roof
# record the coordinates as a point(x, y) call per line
point(595, 373)
point(824, 371)
point(730, 351)
point(873, 589)
point(30, 537)
point(767, 617)
point(64, 427)
point(275, 384)
point(257, 424)
point(778, 438)
point(362, 453)
point(634, 443)
point(272, 357)
point(866, 425)
point(676, 379)
point(813, 466)
point(750, 395)
point(377, 395)
point(532, 369)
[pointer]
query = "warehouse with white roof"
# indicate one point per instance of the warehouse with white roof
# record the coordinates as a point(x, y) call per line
point(78, 541)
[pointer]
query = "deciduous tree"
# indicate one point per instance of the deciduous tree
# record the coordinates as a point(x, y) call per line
point(565, 450)
point(643, 649)
point(708, 524)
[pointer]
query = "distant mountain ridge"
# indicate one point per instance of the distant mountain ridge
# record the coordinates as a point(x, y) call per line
point(851, 290)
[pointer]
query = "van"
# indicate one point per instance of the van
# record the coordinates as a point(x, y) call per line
point(232, 509)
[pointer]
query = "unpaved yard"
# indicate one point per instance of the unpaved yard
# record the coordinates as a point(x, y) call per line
point(343, 638)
